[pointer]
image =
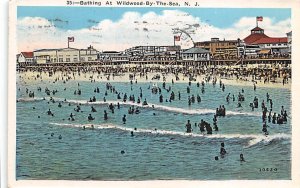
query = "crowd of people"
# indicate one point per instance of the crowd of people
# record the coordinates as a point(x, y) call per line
point(278, 73)
point(211, 74)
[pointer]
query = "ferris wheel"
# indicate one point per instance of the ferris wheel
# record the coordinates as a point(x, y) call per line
point(184, 35)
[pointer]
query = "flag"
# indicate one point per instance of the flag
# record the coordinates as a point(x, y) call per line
point(259, 18)
point(176, 38)
point(70, 39)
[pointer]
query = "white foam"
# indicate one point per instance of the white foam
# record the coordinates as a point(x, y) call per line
point(29, 99)
point(253, 138)
point(161, 107)
point(267, 139)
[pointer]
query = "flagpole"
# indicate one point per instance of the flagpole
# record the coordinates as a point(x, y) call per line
point(174, 40)
point(68, 43)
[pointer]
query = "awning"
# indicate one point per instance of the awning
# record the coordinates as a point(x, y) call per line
point(265, 51)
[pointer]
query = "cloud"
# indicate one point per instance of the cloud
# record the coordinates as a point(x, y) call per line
point(272, 28)
point(138, 29)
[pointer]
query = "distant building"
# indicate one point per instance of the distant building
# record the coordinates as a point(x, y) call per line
point(256, 34)
point(220, 49)
point(275, 45)
point(250, 51)
point(196, 54)
point(289, 38)
point(25, 58)
point(43, 56)
point(89, 54)
point(268, 45)
point(113, 57)
point(65, 55)
point(153, 52)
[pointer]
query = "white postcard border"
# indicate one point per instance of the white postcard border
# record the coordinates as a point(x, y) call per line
point(295, 182)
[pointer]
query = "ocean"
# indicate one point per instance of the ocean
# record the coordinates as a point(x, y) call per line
point(153, 144)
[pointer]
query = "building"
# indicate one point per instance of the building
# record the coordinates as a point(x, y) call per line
point(268, 45)
point(274, 45)
point(113, 57)
point(220, 49)
point(65, 55)
point(153, 52)
point(88, 55)
point(196, 54)
point(248, 51)
point(43, 56)
point(25, 58)
point(256, 34)
point(289, 38)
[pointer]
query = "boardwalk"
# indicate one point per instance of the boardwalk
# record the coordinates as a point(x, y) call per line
point(227, 62)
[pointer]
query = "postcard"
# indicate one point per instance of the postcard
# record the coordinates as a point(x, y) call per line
point(153, 93)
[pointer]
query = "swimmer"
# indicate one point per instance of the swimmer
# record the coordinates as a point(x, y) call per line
point(222, 149)
point(208, 128)
point(242, 158)
point(105, 115)
point(93, 109)
point(49, 112)
point(90, 118)
point(188, 127)
point(145, 102)
point(216, 128)
point(124, 119)
point(201, 125)
point(239, 105)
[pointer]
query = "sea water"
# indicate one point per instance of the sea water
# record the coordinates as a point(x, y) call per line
point(160, 148)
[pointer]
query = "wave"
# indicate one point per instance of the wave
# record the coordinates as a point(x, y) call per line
point(267, 139)
point(253, 139)
point(202, 111)
point(30, 99)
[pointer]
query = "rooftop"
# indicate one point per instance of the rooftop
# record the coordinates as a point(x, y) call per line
point(256, 29)
point(111, 52)
point(217, 40)
point(195, 51)
point(27, 54)
point(270, 40)
point(57, 49)
point(250, 39)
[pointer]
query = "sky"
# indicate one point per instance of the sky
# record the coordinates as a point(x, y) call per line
point(115, 28)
